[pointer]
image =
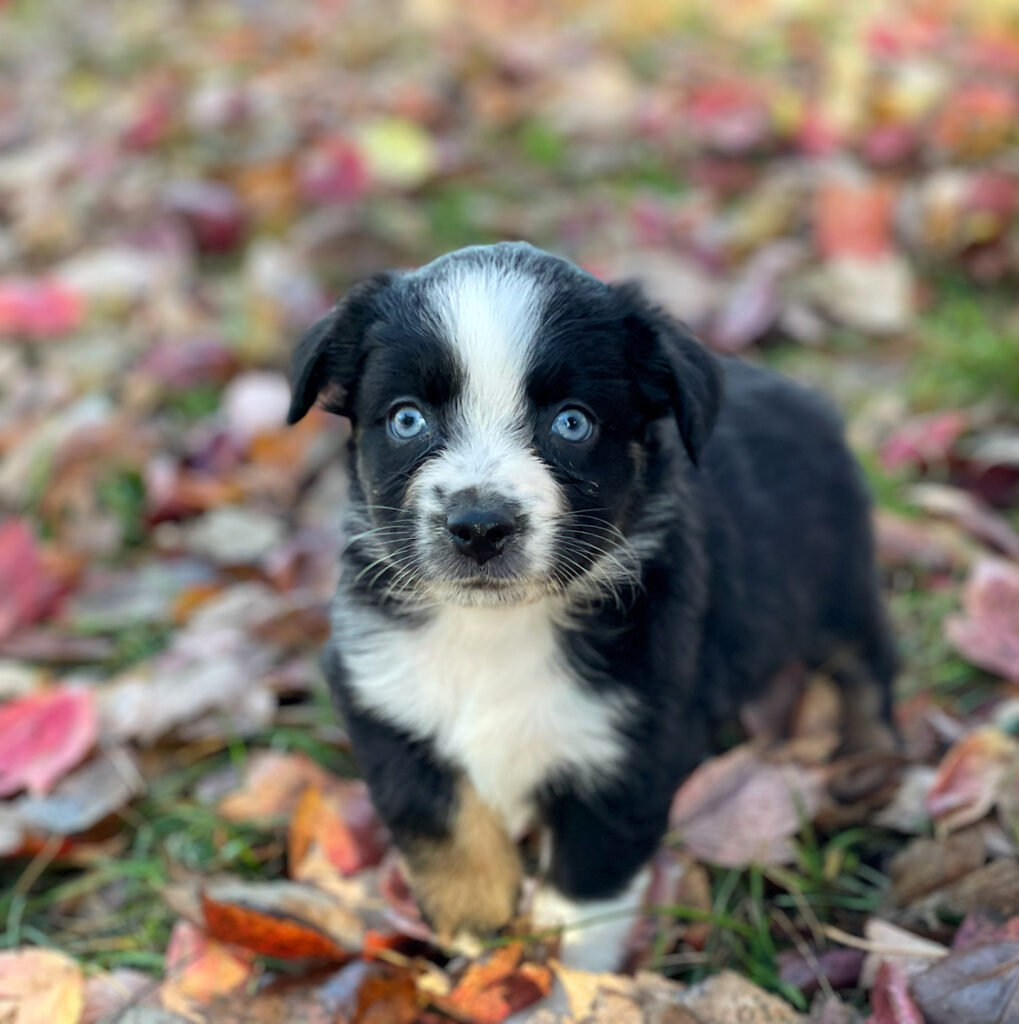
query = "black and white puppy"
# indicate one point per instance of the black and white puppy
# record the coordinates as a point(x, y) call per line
point(576, 542)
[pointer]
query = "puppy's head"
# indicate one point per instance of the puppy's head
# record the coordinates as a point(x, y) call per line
point(508, 410)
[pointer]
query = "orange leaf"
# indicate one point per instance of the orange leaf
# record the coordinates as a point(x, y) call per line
point(493, 988)
point(342, 821)
point(198, 968)
point(272, 786)
point(853, 220)
point(40, 986)
point(281, 919)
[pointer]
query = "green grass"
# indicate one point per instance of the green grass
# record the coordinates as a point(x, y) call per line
point(969, 351)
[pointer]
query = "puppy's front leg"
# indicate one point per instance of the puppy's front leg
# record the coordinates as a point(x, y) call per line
point(598, 875)
point(469, 877)
point(464, 869)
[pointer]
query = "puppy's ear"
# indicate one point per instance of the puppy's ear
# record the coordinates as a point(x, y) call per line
point(675, 371)
point(329, 354)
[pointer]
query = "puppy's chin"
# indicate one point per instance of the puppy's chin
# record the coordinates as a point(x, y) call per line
point(483, 593)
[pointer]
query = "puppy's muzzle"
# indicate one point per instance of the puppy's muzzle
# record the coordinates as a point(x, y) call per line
point(481, 529)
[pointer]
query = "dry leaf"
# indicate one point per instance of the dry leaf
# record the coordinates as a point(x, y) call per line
point(739, 809)
point(890, 998)
point(282, 919)
point(979, 985)
point(198, 968)
point(272, 786)
point(43, 736)
point(971, 777)
point(342, 822)
point(987, 632)
point(40, 986)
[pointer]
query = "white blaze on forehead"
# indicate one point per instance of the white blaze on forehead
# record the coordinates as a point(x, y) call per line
point(490, 315)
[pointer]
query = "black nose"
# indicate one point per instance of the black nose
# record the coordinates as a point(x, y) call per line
point(481, 532)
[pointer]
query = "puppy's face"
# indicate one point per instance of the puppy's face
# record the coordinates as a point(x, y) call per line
point(501, 401)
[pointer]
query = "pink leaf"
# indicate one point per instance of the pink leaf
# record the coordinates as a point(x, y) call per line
point(890, 999)
point(43, 736)
point(987, 632)
point(925, 440)
point(29, 590)
point(38, 309)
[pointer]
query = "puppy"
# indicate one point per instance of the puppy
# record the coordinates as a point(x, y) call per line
point(576, 542)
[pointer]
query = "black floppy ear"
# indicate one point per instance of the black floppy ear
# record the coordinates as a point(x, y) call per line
point(675, 371)
point(329, 353)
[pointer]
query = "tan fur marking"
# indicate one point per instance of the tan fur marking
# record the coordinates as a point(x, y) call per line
point(470, 880)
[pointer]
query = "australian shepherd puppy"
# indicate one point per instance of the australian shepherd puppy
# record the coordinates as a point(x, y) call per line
point(576, 542)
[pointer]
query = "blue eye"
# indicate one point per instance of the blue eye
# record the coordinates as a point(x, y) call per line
point(573, 425)
point(407, 421)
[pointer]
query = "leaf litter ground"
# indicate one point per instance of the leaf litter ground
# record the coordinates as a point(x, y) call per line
point(182, 835)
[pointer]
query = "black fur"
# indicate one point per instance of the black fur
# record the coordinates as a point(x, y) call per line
point(734, 484)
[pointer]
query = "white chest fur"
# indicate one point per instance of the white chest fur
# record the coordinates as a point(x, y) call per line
point(492, 689)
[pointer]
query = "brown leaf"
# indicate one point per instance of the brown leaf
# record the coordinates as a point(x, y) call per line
point(971, 777)
point(40, 986)
point(979, 985)
point(729, 997)
point(282, 919)
point(739, 808)
point(927, 864)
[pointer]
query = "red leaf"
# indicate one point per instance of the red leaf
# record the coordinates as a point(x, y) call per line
point(38, 309)
point(44, 735)
point(925, 440)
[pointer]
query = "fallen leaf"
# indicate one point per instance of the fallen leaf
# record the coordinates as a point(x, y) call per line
point(924, 441)
point(992, 889)
point(890, 999)
point(971, 777)
point(927, 864)
point(30, 589)
point(43, 736)
point(198, 968)
point(101, 787)
point(728, 996)
point(840, 968)
point(917, 544)
point(497, 985)
point(282, 919)
point(987, 631)
point(971, 986)
point(108, 995)
point(971, 514)
point(853, 219)
point(739, 809)
point(340, 820)
point(40, 986)
point(38, 309)
point(890, 943)
point(979, 929)
point(272, 786)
